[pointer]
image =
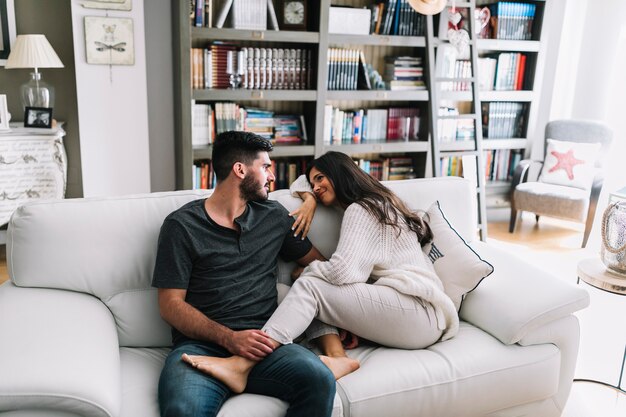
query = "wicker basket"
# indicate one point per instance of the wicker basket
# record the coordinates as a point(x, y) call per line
point(613, 251)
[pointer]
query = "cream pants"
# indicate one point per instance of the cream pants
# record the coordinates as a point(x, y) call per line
point(374, 312)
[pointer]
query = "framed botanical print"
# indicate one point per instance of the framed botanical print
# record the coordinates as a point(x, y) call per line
point(7, 29)
point(109, 41)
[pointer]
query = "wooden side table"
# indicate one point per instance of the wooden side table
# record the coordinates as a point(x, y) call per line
point(594, 272)
point(33, 165)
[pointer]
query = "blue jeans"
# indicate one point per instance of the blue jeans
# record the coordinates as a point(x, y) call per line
point(291, 373)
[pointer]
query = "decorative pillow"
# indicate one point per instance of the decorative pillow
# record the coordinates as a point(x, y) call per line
point(570, 163)
point(455, 262)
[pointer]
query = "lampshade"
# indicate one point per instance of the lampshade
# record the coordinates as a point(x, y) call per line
point(32, 51)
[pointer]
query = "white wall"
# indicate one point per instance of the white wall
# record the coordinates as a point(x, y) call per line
point(112, 113)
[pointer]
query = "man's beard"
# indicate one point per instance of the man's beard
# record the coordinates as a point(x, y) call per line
point(250, 190)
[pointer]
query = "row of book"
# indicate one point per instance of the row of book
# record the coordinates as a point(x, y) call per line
point(404, 73)
point(345, 69)
point(208, 121)
point(512, 20)
point(254, 68)
point(504, 71)
point(500, 164)
point(389, 169)
point(454, 129)
point(503, 119)
point(396, 17)
point(461, 68)
point(286, 171)
point(370, 125)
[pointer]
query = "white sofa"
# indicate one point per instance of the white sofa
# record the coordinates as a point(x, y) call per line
point(82, 336)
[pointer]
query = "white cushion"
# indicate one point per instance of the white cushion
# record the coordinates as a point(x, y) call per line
point(458, 266)
point(569, 163)
point(471, 374)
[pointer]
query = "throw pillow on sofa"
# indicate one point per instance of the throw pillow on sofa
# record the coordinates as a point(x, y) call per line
point(458, 266)
point(570, 163)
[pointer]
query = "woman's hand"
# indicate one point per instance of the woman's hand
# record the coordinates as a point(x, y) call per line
point(348, 340)
point(297, 271)
point(304, 215)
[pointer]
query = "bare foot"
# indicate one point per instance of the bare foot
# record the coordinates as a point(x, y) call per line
point(340, 365)
point(232, 371)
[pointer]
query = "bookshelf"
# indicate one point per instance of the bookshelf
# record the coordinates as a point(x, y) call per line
point(313, 102)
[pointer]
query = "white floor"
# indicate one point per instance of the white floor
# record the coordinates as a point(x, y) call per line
point(603, 323)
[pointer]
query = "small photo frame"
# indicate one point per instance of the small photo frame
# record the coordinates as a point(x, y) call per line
point(39, 117)
point(4, 113)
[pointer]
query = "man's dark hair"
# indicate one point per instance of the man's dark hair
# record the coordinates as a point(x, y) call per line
point(231, 147)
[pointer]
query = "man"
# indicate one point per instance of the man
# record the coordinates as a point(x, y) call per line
point(215, 270)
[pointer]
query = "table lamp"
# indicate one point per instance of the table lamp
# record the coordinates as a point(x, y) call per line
point(34, 51)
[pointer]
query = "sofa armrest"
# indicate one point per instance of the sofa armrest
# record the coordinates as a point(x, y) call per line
point(60, 352)
point(518, 297)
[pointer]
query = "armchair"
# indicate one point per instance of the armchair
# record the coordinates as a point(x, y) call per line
point(546, 198)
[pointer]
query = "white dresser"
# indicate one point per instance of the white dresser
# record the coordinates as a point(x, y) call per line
point(33, 166)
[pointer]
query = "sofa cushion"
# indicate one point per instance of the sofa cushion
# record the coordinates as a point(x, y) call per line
point(569, 163)
point(472, 374)
point(458, 266)
point(111, 258)
point(141, 368)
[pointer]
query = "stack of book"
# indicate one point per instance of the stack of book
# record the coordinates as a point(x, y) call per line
point(386, 169)
point(509, 73)
point(289, 130)
point(404, 73)
point(403, 123)
point(260, 122)
point(202, 124)
point(451, 166)
point(503, 119)
point(454, 129)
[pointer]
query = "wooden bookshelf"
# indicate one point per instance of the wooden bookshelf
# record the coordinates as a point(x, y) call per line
point(312, 102)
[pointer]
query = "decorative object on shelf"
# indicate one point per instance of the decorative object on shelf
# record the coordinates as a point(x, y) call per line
point(482, 17)
point(7, 29)
point(39, 117)
point(613, 250)
point(109, 41)
point(293, 14)
point(4, 113)
point(34, 51)
point(428, 7)
point(123, 5)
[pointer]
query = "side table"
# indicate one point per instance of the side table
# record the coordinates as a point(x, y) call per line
point(594, 272)
point(33, 165)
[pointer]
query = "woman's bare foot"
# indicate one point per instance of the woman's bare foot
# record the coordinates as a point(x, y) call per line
point(340, 365)
point(232, 371)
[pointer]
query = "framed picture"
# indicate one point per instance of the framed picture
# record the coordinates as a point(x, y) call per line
point(109, 41)
point(7, 29)
point(4, 113)
point(38, 117)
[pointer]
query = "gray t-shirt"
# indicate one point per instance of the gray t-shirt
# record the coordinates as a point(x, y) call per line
point(229, 276)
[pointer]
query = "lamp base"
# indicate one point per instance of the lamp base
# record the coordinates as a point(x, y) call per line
point(37, 93)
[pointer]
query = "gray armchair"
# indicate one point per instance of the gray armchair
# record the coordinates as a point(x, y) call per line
point(561, 201)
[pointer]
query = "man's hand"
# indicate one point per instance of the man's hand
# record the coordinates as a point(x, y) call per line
point(304, 215)
point(297, 271)
point(250, 344)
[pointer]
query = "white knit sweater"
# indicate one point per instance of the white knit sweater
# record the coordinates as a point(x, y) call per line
point(368, 250)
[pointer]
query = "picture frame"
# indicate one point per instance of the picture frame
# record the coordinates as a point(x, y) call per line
point(4, 113)
point(7, 29)
point(109, 40)
point(38, 117)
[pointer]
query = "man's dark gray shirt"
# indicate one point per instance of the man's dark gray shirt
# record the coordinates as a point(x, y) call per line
point(229, 276)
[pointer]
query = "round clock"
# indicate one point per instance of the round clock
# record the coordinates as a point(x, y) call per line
point(294, 14)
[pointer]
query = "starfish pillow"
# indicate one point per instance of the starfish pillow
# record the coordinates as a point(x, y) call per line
point(570, 163)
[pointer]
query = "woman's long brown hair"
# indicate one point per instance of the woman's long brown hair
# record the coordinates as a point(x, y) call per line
point(353, 185)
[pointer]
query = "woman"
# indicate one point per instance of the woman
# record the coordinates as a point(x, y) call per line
point(378, 284)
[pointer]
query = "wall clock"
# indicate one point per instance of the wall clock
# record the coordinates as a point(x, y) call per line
point(293, 14)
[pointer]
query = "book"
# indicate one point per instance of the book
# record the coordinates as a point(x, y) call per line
point(221, 18)
point(272, 14)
